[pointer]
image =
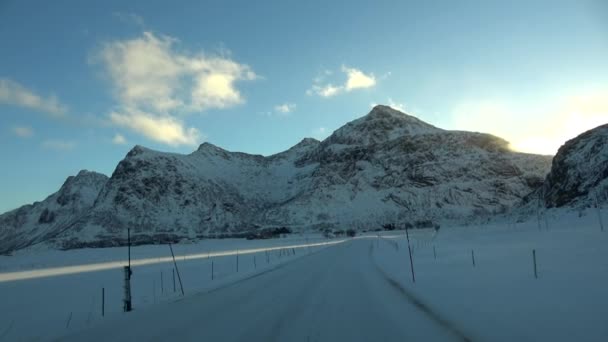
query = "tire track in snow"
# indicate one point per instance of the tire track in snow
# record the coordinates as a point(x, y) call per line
point(419, 304)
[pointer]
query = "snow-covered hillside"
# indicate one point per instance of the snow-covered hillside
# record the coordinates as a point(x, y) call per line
point(383, 168)
point(60, 211)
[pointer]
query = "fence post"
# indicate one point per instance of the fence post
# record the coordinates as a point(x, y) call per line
point(409, 248)
point(67, 325)
point(103, 301)
point(127, 269)
point(534, 261)
point(473, 257)
point(176, 270)
point(127, 300)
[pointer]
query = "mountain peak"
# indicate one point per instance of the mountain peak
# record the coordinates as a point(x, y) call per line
point(384, 110)
point(381, 124)
point(206, 146)
point(308, 141)
point(211, 149)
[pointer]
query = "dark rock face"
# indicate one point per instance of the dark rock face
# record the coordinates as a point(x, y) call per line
point(384, 169)
point(580, 170)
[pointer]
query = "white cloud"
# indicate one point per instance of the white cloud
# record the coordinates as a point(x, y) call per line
point(119, 139)
point(155, 82)
point(285, 108)
point(355, 79)
point(23, 131)
point(13, 93)
point(396, 105)
point(163, 129)
point(58, 145)
point(541, 130)
point(319, 133)
point(327, 90)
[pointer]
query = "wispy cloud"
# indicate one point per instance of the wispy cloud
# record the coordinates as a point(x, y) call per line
point(59, 145)
point(13, 93)
point(129, 18)
point(23, 131)
point(163, 129)
point(320, 133)
point(355, 79)
point(119, 139)
point(156, 83)
point(285, 108)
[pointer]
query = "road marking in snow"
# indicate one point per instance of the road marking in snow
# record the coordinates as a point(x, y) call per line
point(66, 270)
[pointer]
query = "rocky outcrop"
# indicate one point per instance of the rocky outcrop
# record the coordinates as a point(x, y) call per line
point(579, 173)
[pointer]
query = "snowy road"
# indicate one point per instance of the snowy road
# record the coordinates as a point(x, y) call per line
point(337, 294)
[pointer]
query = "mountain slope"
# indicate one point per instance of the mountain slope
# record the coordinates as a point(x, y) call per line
point(41, 221)
point(580, 171)
point(386, 167)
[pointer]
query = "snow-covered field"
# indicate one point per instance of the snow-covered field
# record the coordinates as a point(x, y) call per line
point(357, 290)
point(499, 299)
point(46, 293)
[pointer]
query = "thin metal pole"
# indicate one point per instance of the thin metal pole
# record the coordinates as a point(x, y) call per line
point(103, 302)
point(599, 213)
point(409, 248)
point(129, 247)
point(473, 257)
point(538, 211)
point(177, 270)
point(534, 260)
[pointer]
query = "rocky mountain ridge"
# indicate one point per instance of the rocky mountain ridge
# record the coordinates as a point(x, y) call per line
point(386, 167)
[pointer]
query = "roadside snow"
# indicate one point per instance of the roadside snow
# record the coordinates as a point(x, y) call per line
point(499, 298)
point(46, 293)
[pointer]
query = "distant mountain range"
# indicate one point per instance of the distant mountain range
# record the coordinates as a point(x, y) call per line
point(386, 167)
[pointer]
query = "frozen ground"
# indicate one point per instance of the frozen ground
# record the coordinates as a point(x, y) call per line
point(359, 290)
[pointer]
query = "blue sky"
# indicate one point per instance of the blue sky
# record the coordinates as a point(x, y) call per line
point(81, 82)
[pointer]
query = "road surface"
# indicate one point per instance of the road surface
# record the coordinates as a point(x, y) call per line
point(337, 294)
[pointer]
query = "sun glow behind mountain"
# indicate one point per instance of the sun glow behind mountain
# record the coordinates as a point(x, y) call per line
point(535, 129)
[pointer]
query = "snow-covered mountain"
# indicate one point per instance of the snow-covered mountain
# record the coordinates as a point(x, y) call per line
point(579, 174)
point(386, 167)
point(42, 221)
